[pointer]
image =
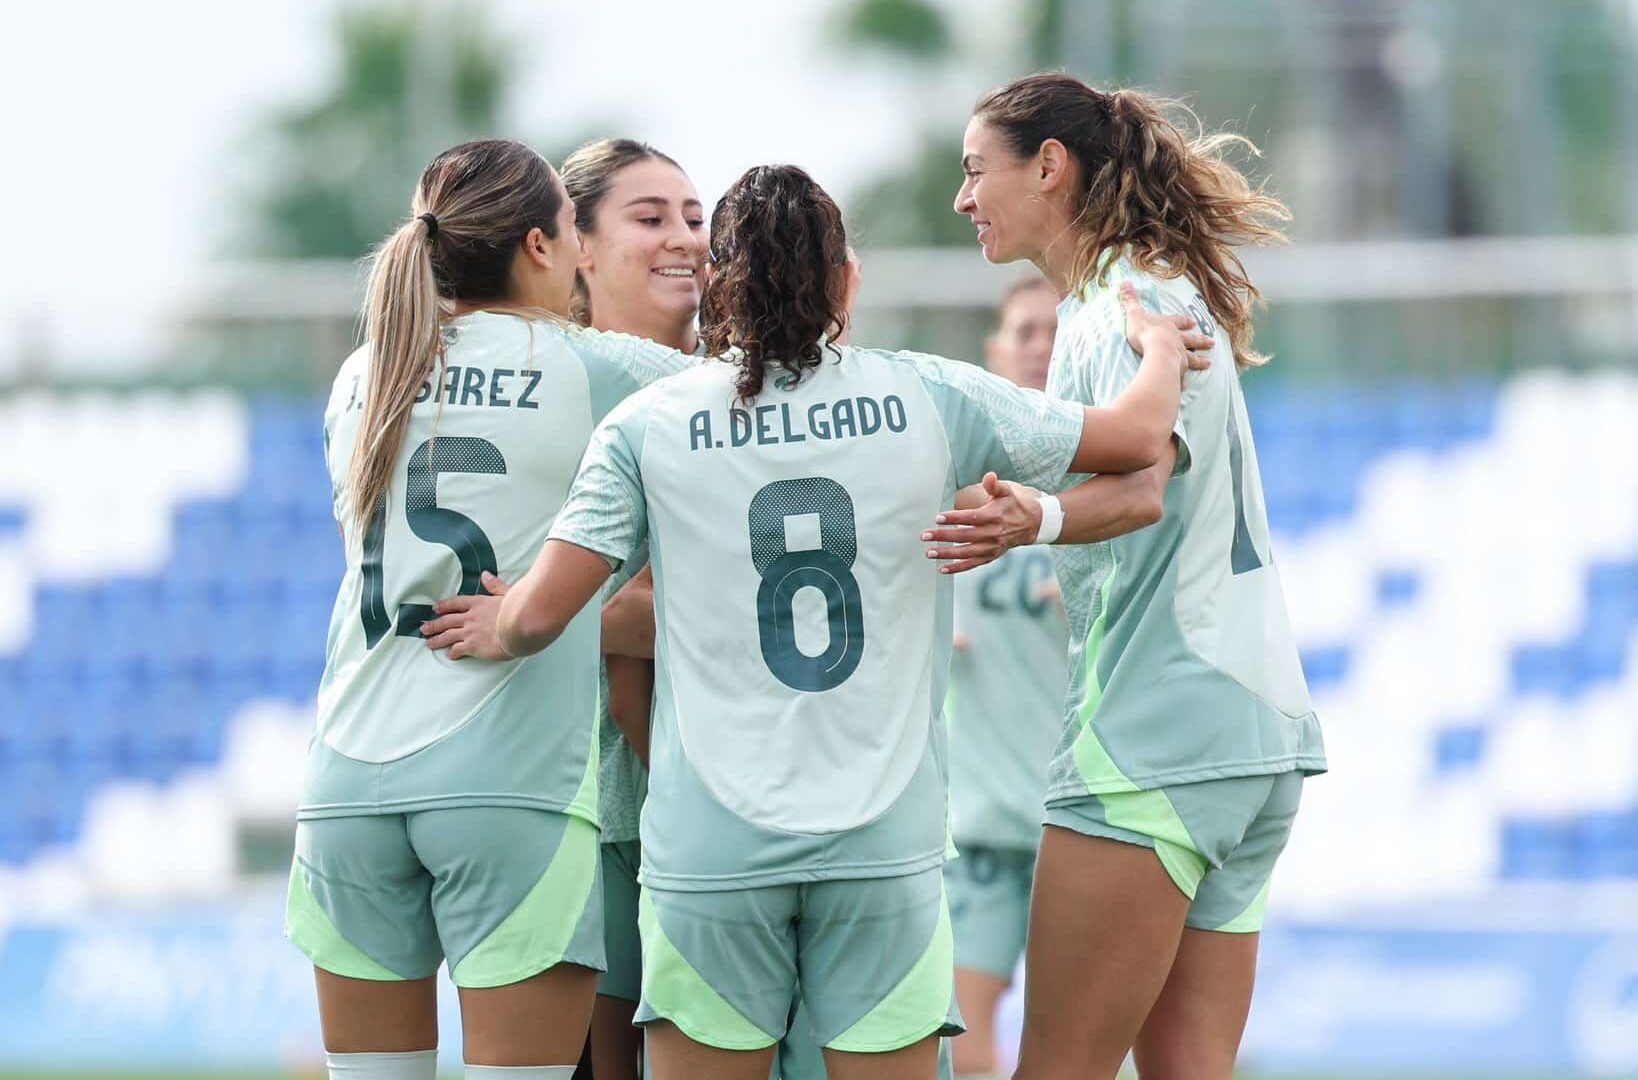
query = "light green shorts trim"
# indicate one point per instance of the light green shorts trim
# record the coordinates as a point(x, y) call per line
point(502, 893)
point(873, 961)
point(1218, 839)
point(989, 907)
point(621, 943)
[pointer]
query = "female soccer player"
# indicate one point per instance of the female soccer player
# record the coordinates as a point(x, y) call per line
point(643, 241)
point(1190, 727)
point(795, 823)
point(1007, 679)
point(447, 810)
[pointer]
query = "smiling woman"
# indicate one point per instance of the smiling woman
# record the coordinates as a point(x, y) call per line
point(642, 242)
point(642, 233)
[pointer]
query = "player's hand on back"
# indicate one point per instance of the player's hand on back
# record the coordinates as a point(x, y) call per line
point(466, 624)
point(1176, 334)
point(1010, 517)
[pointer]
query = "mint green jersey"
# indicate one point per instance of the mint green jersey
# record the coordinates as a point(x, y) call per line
point(1183, 666)
point(803, 636)
point(1006, 698)
point(492, 445)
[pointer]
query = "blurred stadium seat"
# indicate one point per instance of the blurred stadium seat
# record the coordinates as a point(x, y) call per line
point(1464, 586)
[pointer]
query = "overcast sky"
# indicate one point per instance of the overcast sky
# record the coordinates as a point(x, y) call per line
point(123, 121)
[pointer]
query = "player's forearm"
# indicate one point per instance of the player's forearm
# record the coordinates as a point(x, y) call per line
point(1132, 432)
point(628, 619)
point(631, 690)
point(537, 609)
point(1115, 504)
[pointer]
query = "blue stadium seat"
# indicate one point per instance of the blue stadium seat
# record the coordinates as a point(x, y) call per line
point(1535, 849)
point(1459, 747)
point(1324, 667)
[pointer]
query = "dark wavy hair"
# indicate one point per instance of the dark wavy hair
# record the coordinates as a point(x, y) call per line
point(776, 291)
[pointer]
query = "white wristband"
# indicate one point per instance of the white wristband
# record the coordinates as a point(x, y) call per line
point(1052, 519)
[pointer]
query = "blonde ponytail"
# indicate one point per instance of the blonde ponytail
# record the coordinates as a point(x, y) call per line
point(401, 313)
point(472, 209)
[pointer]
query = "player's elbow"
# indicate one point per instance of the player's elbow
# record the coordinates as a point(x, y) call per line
point(523, 632)
point(1140, 447)
point(1150, 508)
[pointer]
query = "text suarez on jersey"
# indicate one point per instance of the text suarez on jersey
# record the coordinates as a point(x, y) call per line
point(766, 425)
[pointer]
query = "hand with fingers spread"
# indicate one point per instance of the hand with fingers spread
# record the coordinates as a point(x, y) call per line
point(1011, 517)
point(1146, 330)
point(466, 624)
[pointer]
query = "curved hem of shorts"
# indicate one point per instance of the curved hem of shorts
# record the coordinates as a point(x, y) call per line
point(857, 871)
point(396, 978)
point(944, 1028)
point(656, 1017)
point(445, 802)
point(1102, 830)
point(527, 971)
point(1219, 930)
point(1308, 766)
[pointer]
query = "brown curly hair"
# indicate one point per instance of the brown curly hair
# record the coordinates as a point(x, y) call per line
point(776, 291)
point(1162, 188)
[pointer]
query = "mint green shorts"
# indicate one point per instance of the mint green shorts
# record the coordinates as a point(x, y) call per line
point(500, 892)
point(989, 906)
point(624, 977)
point(872, 960)
point(1217, 839)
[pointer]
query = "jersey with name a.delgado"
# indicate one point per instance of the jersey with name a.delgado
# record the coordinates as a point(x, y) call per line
point(803, 635)
point(1183, 666)
point(1006, 698)
point(492, 445)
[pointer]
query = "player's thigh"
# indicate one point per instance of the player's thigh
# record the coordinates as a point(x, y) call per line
point(1193, 1031)
point(719, 967)
point(1195, 1027)
point(616, 1044)
point(676, 1056)
point(541, 1020)
point(364, 1016)
point(1105, 922)
point(877, 961)
point(978, 993)
point(359, 907)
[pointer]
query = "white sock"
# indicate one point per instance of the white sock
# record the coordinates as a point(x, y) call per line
point(978, 1076)
point(519, 1072)
point(414, 1065)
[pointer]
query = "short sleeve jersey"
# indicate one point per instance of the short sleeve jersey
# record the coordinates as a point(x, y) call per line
point(1006, 698)
point(1183, 666)
point(491, 447)
point(803, 636)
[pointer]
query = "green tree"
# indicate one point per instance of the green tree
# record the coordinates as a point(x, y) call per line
point(411, 81)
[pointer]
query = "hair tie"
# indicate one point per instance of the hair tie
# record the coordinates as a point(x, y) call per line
point(432, 225)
